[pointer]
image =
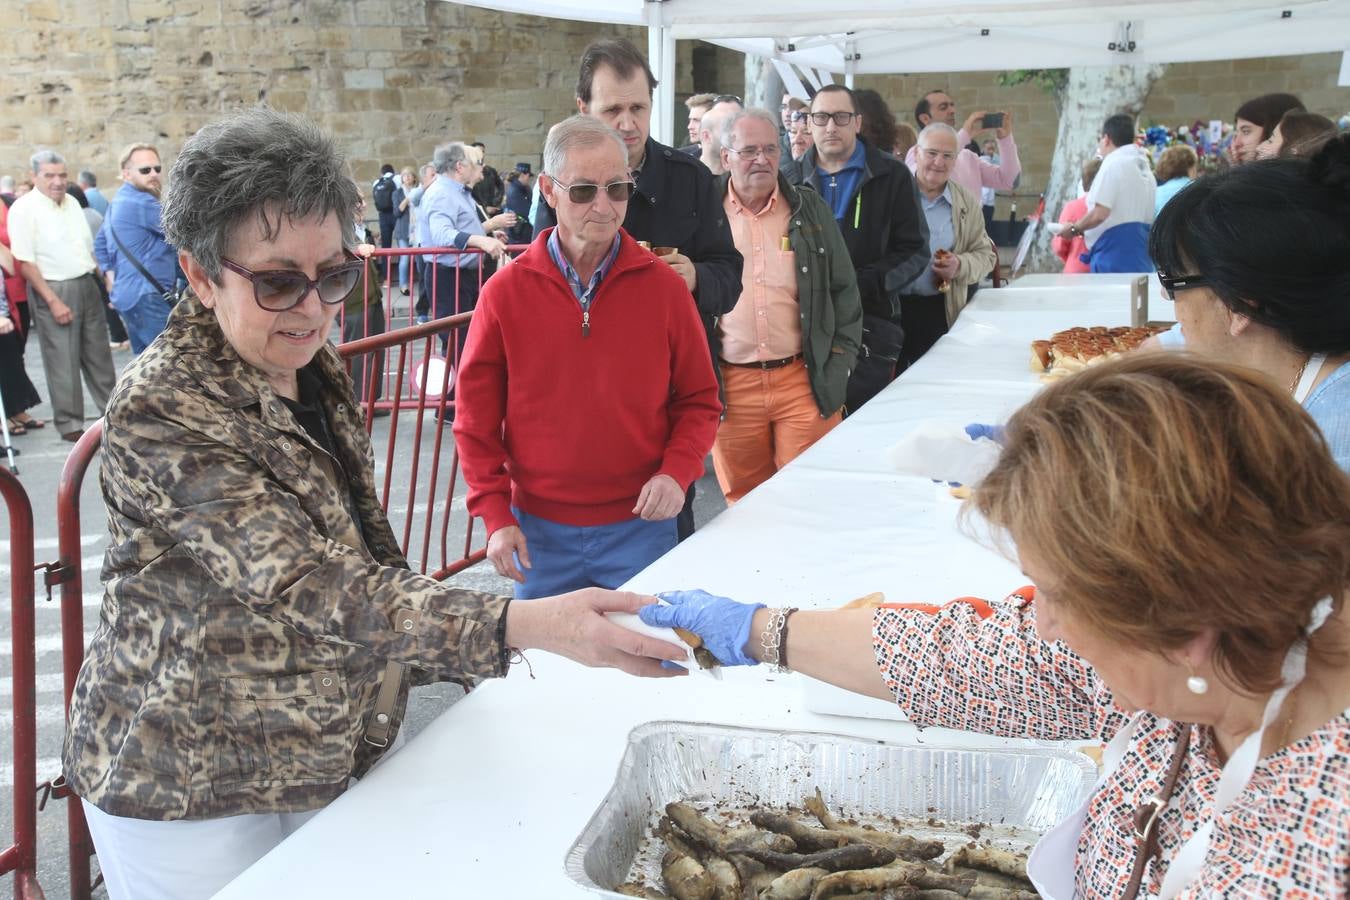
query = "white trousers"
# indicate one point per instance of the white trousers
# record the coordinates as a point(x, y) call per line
point(187, 859)
point(182, 860)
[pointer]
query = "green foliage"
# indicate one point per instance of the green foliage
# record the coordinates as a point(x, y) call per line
point(1052, 81)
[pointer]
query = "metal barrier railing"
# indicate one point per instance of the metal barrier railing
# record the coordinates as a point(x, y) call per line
point(425, 534)
point(437, 277)
point(20, 857)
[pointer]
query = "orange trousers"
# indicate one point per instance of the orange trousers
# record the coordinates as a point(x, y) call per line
point(771, 417)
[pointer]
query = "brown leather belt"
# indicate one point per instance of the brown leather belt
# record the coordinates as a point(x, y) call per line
point(766, 364)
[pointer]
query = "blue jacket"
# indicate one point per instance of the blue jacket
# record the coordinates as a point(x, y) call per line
point(134, 215)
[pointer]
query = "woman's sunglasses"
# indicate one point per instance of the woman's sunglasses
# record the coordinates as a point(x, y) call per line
point(1173, 283)
point(618, 191)
point(277, 290)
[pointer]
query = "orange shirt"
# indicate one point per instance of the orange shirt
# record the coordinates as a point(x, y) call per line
point(766, 322)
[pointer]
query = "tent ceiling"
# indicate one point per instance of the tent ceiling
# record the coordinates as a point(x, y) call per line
point(873, 36)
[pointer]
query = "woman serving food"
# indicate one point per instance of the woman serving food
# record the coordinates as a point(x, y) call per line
point(260, 626)
point(1188, 534)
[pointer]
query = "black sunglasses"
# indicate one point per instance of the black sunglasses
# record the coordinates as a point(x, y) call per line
point(728, 98)
point(277, 290)
point(1173, 283)
point(146, 170)
point(618, 191)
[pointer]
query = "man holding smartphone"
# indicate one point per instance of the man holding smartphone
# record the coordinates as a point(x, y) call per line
point(970, 171)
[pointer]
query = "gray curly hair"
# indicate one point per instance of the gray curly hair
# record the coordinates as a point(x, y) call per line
point(261, 163)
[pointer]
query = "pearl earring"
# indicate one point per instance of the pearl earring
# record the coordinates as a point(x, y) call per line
point(1197, 685)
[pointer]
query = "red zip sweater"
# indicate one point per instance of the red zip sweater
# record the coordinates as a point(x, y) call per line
point(570, 427)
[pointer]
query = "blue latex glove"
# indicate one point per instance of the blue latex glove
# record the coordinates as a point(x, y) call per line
point(977, 430)
point(723, 624)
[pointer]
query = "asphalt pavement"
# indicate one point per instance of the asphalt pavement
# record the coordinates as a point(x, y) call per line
point(42, 453)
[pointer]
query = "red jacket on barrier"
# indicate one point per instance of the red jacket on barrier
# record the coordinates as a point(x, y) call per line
point(567, 426)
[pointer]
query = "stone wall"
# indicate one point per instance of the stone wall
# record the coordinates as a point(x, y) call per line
point(393, 78)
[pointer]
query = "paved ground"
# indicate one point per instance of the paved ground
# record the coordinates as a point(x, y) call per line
point(43, 453)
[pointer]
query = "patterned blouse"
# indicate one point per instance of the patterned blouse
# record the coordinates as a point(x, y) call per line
point(981, 667)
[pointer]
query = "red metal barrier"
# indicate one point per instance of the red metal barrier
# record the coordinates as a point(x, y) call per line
point(21, 856)
point(395, 315)
point(69, 576)
point(424, 533)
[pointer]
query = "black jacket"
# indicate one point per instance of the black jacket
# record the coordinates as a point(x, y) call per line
point(888, 238)
point(677, 205)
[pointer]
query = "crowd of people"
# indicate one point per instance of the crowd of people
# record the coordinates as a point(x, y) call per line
point(735, 297)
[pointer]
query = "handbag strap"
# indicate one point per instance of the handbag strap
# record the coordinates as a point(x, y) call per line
point(131, 257)
point(1148, 814)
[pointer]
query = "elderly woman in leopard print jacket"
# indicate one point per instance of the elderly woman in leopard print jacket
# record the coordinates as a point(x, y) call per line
point(260, 625)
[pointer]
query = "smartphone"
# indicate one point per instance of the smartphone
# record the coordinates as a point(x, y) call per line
point(992, 120)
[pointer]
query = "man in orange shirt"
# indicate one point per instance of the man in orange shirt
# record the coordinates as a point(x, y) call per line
point(788, 346)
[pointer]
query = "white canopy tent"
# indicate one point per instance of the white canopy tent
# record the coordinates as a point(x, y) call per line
point(877, 36)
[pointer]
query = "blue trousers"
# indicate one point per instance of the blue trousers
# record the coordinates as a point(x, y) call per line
point(570, 557)
point(145, 320)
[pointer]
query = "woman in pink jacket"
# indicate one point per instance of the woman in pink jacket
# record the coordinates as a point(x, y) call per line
point(1072, 250)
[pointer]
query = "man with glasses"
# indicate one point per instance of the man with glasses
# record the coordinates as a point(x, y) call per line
point(448, 217)
point(710, 131)
point(675, 203)
point(587, 400)
point(874, 200)
point(788, 346)
point(50, 240)
point(139, 265)
point(962, 253)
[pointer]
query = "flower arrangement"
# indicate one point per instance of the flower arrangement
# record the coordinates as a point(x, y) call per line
point(1157, 138)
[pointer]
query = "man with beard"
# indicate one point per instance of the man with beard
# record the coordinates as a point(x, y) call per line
point(137, 262)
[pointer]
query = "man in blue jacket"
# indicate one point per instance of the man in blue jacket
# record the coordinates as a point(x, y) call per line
point(137, 262)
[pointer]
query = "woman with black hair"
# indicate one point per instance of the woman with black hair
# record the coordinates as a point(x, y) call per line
point(1258, 262)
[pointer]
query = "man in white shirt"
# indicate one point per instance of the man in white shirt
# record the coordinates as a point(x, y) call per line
point(55, 251)
point(1120, 203)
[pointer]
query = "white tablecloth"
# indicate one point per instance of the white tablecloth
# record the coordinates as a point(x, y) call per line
point(488, 798)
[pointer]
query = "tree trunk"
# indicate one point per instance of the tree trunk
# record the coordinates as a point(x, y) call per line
point(763, 87)
point(1092, 94)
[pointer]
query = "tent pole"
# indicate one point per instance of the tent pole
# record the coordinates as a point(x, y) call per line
point(661, 57)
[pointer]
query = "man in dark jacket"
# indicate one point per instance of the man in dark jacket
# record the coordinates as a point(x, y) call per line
point(875, 202)
point(676, 203)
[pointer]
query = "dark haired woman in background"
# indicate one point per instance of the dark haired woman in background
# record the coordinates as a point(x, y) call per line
point(878, 122)
point(1255, 120)
point(1258, 262)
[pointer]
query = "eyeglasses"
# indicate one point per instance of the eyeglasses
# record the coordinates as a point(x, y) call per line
point(939, 154)
point(146, 170)
point(728, 98)
point(1173, 283)
point(277, 290)
point(618, 191)
point(841, 118)
point(770, 151)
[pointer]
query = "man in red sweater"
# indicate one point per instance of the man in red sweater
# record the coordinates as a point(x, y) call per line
point(587, 400)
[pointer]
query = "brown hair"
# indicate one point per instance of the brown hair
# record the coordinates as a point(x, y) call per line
point(1266, 110)
point(699, 100)
point(620, 55)
point(878, 123)
point(1303, 133)
point(129, 149)
point(905, 139)
point(1168, 495)
point(1090, 170)
point(1176, 162)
